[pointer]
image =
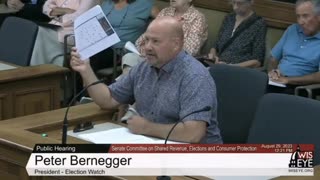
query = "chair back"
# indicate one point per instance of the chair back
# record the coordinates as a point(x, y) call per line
point(18, 37)
point(283, 119)
point(238, 92)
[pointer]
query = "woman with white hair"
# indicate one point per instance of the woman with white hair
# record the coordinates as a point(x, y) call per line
point(241, 39)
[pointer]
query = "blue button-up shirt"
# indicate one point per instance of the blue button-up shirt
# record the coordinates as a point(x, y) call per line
point(298, 54)
point(169, 94)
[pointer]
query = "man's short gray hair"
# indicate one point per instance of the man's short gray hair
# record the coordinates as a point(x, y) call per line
point(316, 5)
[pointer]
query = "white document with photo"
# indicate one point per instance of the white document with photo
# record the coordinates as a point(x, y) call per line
point(93, 33)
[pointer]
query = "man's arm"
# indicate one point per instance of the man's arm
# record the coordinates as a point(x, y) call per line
point(276, 55)
point(305, 80)
point(100, 93)
point(301, 80)
point(273, 71)
point(273, 64)
point(190, 131)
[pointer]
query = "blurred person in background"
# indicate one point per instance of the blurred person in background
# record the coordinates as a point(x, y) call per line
point(49, 45)
point(241, 39)
point(296, 57)
point(26, 9)
point(129, 18)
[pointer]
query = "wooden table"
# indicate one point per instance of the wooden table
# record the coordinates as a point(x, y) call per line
point(18, 137)
point(29, 90)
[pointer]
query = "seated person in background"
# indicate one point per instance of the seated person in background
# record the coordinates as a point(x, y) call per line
point(195, 30)
point(27, 9)
point(129, 18)
point(241, 40)
point(49, 43)
point(169, 86)
point(296, 57)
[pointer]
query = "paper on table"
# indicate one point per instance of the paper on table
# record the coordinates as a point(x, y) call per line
point(93, 33)
point(6, 67)
point(120, 136)
point(276, 83)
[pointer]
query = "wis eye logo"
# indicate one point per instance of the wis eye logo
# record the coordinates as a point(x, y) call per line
point(301, 159)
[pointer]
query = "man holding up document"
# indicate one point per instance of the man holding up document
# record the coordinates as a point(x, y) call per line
point(296, 57)
point(168, 87)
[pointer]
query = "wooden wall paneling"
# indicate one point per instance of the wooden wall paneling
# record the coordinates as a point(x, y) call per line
point(5, 105)
point(277, 14)
point(41, 95)
point(31, 96)
point(33, 101)
point(13, 164)
point(29, 90)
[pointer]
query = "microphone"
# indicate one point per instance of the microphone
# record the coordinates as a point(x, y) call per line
point(206, 108)
point(65, 120)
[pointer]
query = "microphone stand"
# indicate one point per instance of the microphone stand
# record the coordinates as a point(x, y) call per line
point(206, 108)
point(65, 120)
